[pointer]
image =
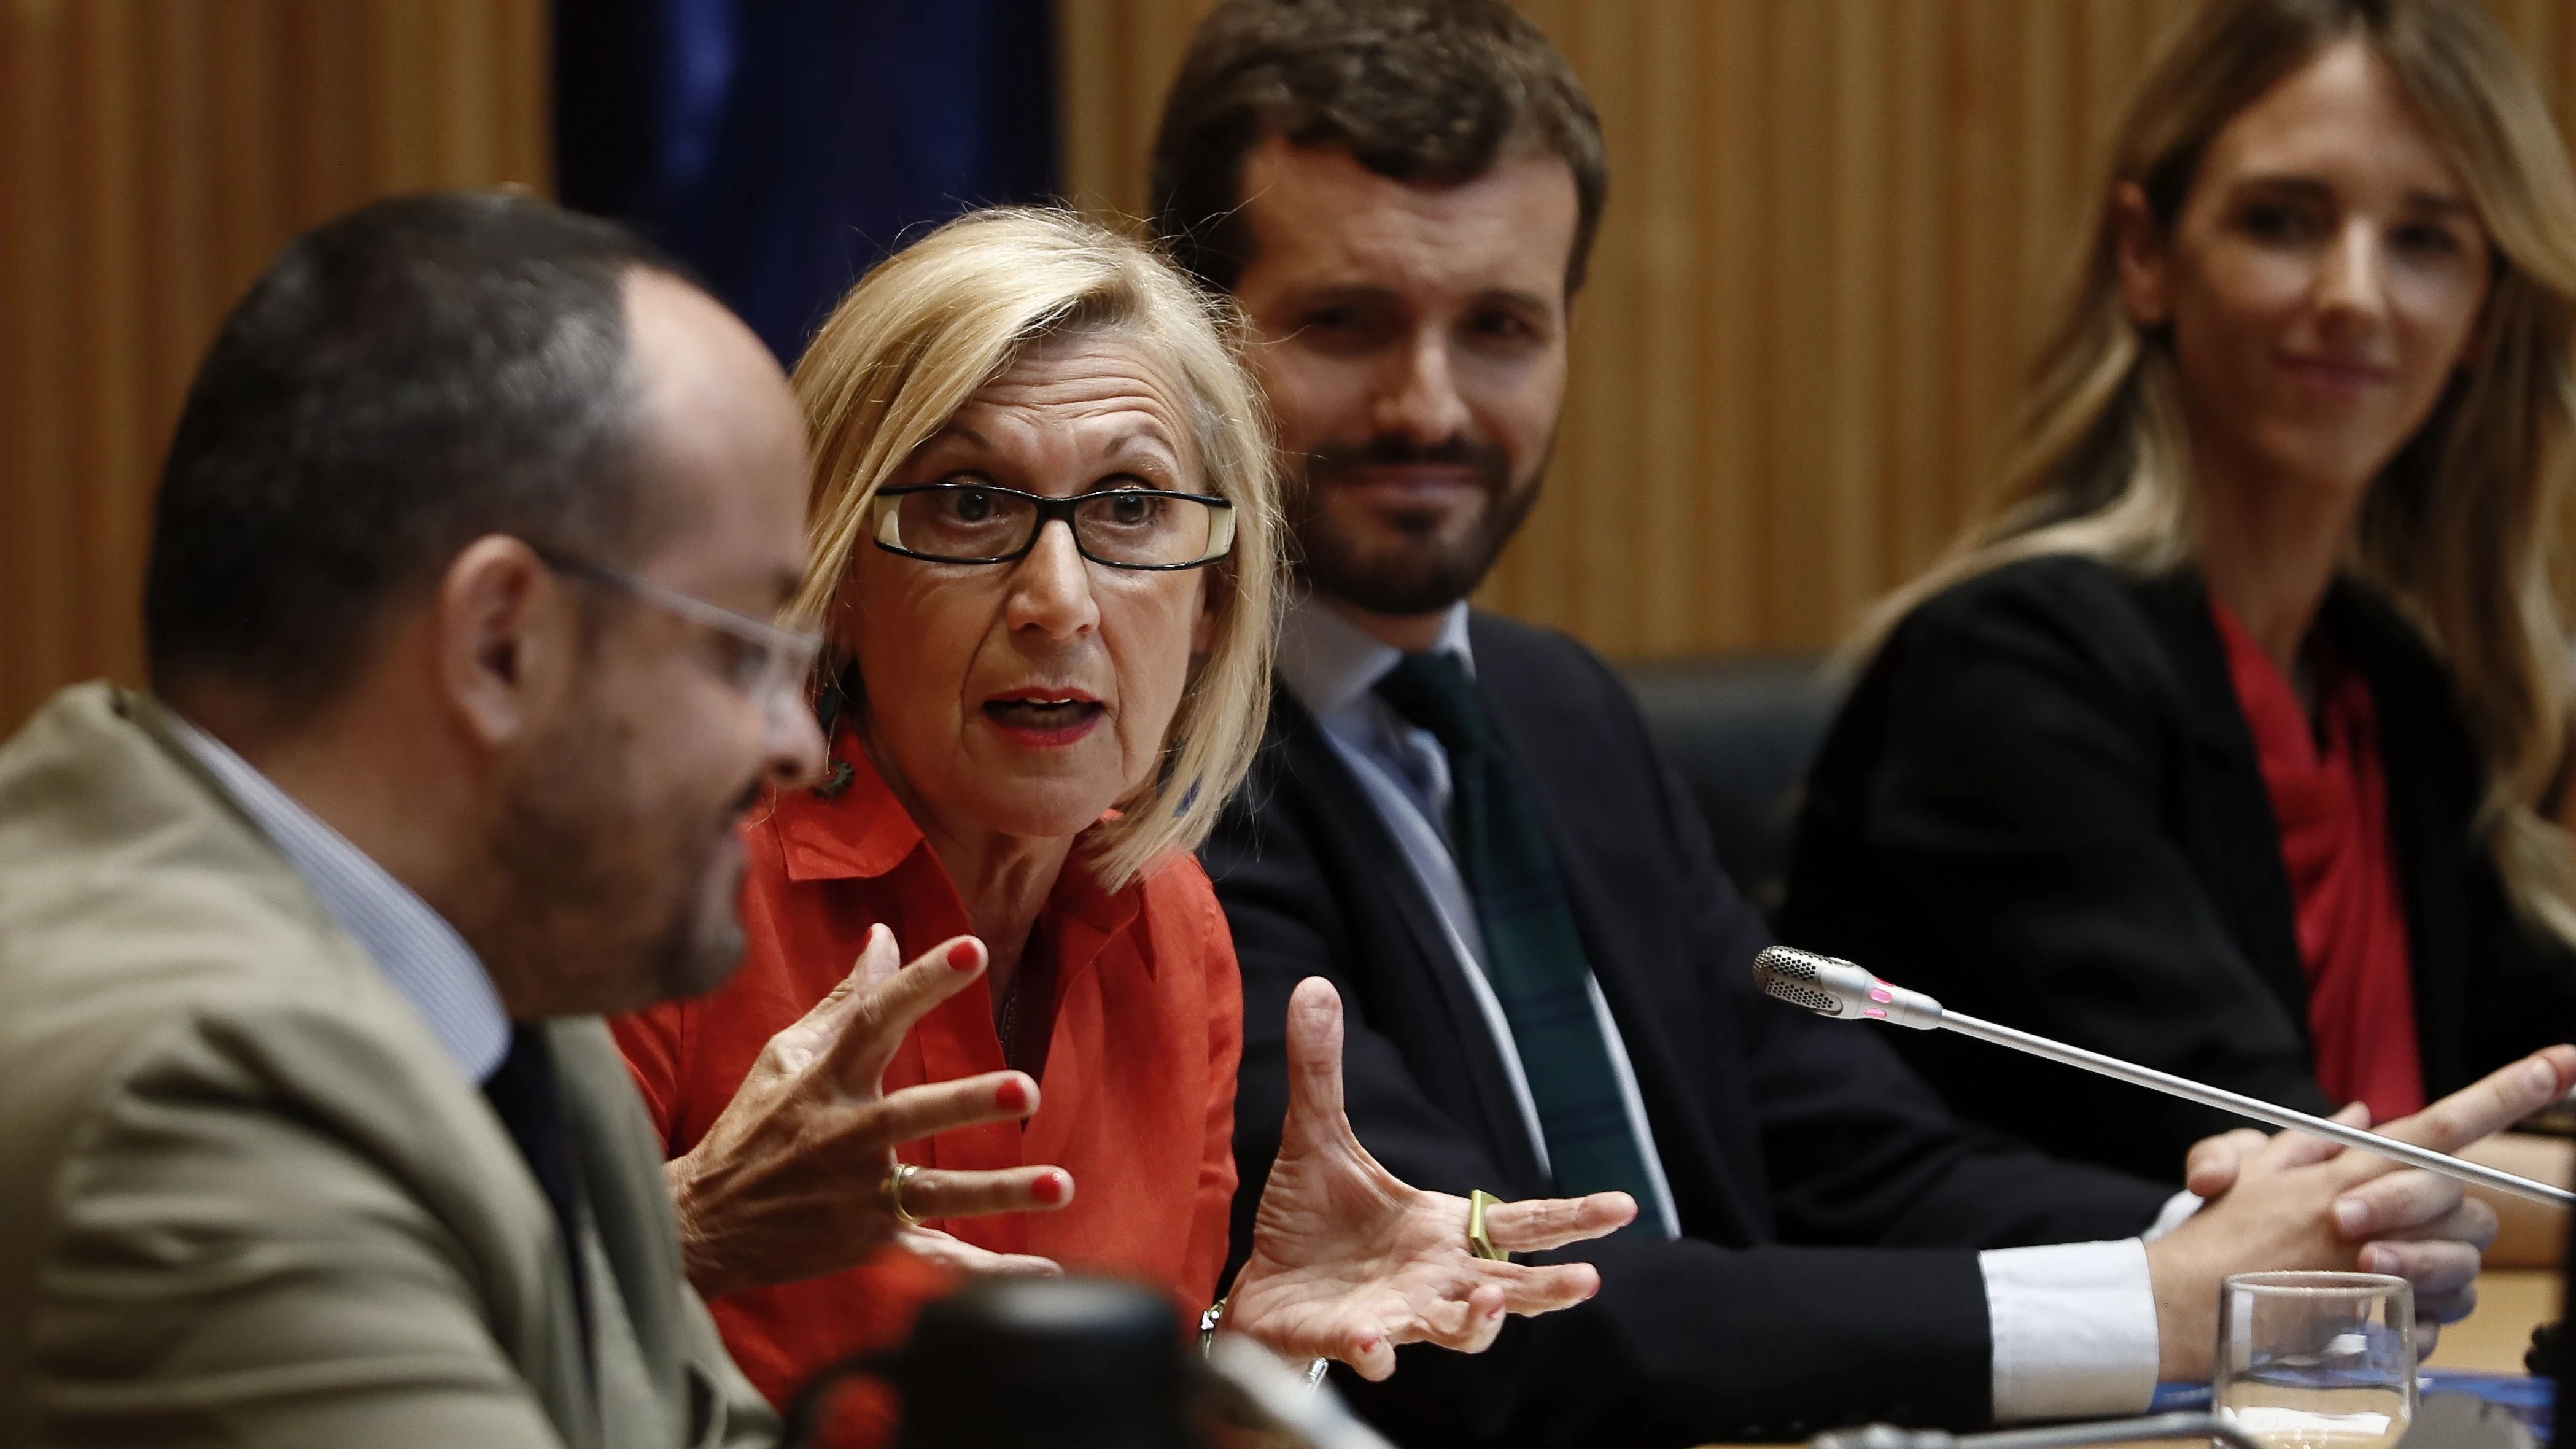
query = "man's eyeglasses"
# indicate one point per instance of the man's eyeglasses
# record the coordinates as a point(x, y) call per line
point(1125, 528)
point(767, 663)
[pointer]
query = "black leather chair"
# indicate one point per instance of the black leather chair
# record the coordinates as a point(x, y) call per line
point(1741, 729)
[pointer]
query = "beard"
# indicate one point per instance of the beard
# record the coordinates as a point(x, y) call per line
point(1423, 567)
point(614, 902)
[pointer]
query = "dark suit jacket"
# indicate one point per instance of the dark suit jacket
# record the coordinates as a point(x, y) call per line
point(2042, 804)
point(1831, 1206)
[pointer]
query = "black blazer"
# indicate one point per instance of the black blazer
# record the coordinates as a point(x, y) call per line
point(2042, 804)
point(1831, 1205)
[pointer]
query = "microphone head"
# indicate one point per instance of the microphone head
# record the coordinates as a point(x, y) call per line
point(1830, 986)
point(1799, 978)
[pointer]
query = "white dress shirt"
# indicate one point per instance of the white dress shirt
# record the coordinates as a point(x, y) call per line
point(2073, 1324)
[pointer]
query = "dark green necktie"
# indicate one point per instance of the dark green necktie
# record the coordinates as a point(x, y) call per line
point(1533, 955)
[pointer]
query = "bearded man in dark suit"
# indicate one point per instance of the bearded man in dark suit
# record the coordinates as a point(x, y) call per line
point(1461, 822)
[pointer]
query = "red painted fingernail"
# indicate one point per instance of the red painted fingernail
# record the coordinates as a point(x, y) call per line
point(963, 955)
point(1013, 1097)
point(1049, 1188)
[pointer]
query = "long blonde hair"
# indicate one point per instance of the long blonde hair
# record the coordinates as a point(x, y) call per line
point(926, 330)
point(2462, 527)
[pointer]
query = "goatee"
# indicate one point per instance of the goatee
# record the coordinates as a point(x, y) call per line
point(1423, 573)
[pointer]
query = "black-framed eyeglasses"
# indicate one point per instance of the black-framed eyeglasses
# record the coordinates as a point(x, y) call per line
point(772, 665)
point(981, 523)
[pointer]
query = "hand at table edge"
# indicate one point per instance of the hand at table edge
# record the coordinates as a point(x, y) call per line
point(2298, 1202)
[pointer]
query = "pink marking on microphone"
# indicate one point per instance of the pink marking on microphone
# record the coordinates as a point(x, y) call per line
point(1874, 1011)
point(1878, 992)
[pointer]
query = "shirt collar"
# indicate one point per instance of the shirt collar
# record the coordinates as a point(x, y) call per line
point(851, 829)
point(1331, 664)
point(860, 830)
point(419, 952)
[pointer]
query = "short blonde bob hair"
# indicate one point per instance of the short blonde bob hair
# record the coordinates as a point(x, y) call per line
point(2462, 528)
point(933, 325)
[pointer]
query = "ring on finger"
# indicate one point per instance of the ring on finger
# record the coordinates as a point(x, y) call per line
point(890, 1194)
point(1477, 1241)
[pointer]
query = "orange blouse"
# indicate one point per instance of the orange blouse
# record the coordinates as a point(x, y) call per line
point(1137, 1100)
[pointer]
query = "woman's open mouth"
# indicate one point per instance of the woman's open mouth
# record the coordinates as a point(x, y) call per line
point(1044, 720)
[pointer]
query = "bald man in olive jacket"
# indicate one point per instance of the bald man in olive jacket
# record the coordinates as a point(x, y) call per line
point(305, 1138)
point(462, 672)
point(244, 1189)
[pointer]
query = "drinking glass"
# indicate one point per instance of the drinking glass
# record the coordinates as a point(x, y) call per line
point(2316, 1360)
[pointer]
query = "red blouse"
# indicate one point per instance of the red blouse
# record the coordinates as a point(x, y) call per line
point(1137, 1100)
point(2330, 801)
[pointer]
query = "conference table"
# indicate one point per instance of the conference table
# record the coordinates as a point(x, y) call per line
point(2511, 1302)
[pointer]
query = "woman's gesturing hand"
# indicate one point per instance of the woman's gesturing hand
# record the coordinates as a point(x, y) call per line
point(959, 1256)
point(790, 1181)
point(1347, 1262)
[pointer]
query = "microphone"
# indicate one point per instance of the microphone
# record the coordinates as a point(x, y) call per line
point(1829, 986)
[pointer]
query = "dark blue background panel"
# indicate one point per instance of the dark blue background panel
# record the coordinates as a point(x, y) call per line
point(782, 147)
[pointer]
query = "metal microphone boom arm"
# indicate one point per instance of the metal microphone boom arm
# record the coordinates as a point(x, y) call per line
point(1830, 986)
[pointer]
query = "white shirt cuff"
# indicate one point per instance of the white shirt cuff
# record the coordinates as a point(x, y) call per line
point(2177, 1211)
point(2074, 1328)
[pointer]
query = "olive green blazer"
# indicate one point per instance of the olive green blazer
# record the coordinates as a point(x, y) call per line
point(245, 1196)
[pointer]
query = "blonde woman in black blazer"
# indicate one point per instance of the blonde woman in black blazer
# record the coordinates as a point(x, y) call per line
point(2230, 743)
point(2042, 804)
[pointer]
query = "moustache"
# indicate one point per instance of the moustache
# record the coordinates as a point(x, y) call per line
point(1489, 462)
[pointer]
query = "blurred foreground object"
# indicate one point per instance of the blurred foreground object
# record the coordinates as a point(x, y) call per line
point(1082, 1363)
point(1070, 1363)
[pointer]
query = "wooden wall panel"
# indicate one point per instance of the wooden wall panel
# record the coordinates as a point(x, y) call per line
point(1833, 227)
point(1115, 58)
point(1833, 223)
point(153, 155)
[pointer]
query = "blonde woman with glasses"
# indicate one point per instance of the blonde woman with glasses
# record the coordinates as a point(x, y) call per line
point(1044, 557)
point(2232, 742)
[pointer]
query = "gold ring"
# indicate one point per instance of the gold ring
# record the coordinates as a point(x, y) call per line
point(1477, 1243)
point(891, 1193)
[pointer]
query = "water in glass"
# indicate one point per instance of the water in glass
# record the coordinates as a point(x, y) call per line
point(2317, 1360)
